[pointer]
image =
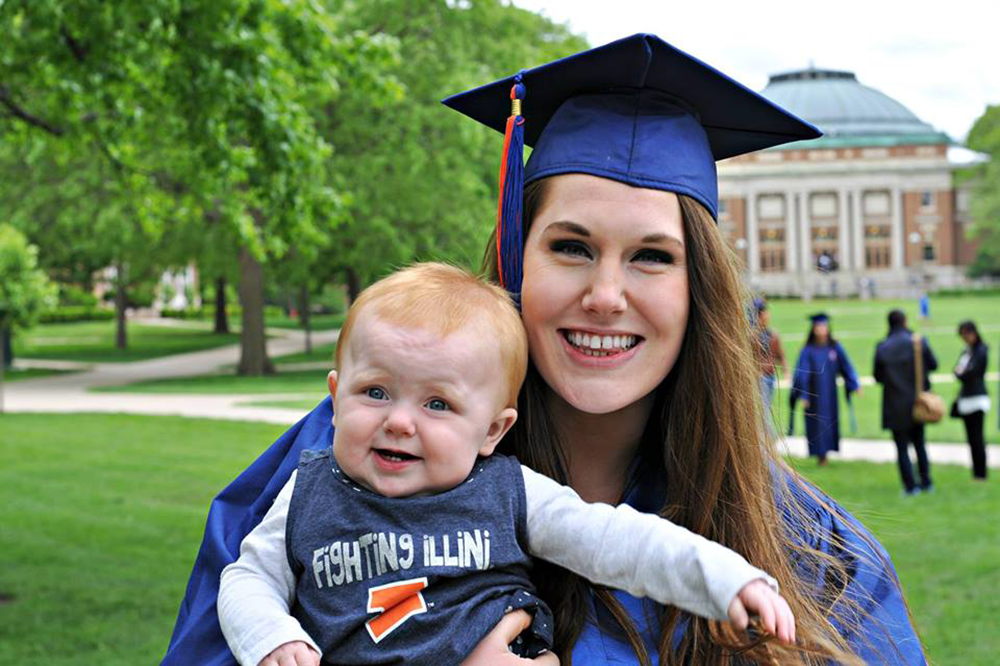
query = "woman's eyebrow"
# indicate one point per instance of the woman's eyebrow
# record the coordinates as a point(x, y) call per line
point(663, 238)
point(571, 227)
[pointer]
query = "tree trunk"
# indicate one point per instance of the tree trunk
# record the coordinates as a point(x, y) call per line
point(305, 317)
point(253, 343)
point(353, 285)
point(221, 316)
point(121, 302)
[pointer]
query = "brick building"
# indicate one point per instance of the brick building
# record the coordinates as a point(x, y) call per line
point(874, 197)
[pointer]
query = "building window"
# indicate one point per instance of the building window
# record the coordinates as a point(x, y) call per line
point(771, 206)
point(876, 203)
point(928, 253)
point(927, 199)
point(723, 208)
point(823, 205)
point(876, 256)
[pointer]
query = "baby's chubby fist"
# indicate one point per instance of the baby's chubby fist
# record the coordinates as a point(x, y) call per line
point(757, 598)
point(296, 653)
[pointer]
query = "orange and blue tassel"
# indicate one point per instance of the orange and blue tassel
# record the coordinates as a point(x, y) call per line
point(509, 240)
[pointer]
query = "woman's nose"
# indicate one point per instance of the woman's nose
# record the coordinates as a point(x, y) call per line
point(399, 422)
point(606, 293)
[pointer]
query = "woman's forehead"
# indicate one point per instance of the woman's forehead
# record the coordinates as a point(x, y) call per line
point(588, 204)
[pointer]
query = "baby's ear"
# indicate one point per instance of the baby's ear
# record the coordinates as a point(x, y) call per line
point(331, 383)
point(498, 428)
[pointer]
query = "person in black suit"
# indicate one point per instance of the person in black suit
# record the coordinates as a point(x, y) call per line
point(894, 369)
point(973, 402)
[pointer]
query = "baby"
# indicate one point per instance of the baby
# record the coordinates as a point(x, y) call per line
point(407, 541)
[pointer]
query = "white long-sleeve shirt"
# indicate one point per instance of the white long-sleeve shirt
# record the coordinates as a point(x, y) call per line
point(642, 554)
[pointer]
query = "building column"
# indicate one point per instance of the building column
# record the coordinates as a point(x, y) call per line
point(791, 234)
point(753, 238)
point(859, 230)
point(898, 237)
point(843, 232)
point(805, 233)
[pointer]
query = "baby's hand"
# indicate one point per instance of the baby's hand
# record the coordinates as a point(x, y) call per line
point(296, 653)
point(758, 598)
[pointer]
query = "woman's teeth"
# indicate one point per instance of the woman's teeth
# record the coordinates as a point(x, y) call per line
point(600, 345)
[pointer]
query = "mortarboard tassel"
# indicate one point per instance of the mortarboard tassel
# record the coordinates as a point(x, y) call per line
point(509, 247)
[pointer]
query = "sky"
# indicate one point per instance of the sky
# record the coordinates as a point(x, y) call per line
point(939, 59)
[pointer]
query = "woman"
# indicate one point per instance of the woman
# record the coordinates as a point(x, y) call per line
point(642, 386)
point(815, 386)
point(973, 402)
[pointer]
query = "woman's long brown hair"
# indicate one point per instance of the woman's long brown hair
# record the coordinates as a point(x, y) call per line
point(723, 477)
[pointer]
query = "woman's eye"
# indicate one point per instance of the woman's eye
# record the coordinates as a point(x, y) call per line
point(572, 248)
point(437, 404)
point(375, 393)
point(654, 256)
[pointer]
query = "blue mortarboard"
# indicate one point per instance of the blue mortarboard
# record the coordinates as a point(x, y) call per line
point(759, 304)
point(637, 110)
point(819, 318)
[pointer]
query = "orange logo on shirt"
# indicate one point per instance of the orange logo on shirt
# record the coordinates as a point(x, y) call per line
point(396, 603)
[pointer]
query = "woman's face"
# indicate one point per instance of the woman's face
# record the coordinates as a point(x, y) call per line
point(605, 293)
point(822, 332)
point(968, 336)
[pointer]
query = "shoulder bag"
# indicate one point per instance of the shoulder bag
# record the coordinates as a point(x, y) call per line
point(928, 407)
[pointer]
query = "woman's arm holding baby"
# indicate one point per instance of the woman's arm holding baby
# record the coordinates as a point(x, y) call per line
point(256, 593)
point(648, 556)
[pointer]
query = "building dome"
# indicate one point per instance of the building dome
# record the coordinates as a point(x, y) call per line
point(848, 112)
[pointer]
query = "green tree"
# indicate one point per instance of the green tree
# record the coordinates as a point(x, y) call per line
point(24, 288)
point(422, 181)
point(985, 137)
point(202, 109)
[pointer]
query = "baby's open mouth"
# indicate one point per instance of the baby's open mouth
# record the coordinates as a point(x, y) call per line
point(592, 344)
point(395, 456)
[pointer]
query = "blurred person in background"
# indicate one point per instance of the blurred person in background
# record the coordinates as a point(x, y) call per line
point(973, 402)
point(894, 369)
point(815, 386)
point(770, 355)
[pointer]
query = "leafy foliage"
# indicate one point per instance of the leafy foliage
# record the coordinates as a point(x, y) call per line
point(24, 289)
point(985, 137)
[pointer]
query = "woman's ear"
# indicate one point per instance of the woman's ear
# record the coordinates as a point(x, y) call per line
point(498, 428)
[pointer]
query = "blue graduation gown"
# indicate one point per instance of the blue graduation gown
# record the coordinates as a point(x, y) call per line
point(815, 380)
point(197, 638)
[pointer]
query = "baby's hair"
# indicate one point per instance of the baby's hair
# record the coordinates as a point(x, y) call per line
point(442, 299)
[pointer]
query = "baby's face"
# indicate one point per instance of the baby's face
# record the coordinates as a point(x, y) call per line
point(413, 410)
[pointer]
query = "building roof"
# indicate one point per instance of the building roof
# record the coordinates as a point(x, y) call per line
point(849, 113)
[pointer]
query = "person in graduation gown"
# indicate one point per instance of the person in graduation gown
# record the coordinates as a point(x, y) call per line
point(642, 386)
point(814, 385)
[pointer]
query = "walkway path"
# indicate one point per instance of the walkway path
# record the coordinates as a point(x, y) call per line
point(69, 393)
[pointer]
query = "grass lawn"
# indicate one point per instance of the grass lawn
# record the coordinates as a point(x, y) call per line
point(319, 354)
point(324, 322)
point(101, 517)
point(12, 375)
point(294, 381)
point(94, 341)
point(944, 546)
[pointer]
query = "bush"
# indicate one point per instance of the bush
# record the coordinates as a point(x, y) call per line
point(68, 313)
point(70, 294)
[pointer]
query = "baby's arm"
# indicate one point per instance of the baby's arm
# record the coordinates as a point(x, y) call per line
point(643, 554)
point(257, 590)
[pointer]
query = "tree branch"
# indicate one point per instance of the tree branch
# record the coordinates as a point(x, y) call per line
point(79, 50)
point(8, 102)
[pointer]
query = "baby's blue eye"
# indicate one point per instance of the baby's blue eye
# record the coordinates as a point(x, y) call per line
point(437, 404)
point(376, 393)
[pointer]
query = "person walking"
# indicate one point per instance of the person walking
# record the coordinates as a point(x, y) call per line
point(815, 386)
point(973, 402)
point(894, 369)
point(770, 356)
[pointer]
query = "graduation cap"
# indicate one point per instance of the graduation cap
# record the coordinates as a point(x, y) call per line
point(819, 318)
point(638, 111)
